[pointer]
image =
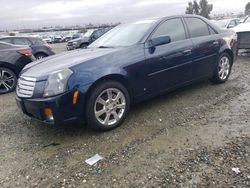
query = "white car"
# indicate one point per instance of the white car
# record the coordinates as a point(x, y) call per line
point(243, 33)
point(48, 40)
point(226, 23)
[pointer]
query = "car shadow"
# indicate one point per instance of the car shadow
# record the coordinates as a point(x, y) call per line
point(82, 130)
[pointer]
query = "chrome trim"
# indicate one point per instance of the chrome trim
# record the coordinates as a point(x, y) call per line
point(25, 87)
point(28, 78)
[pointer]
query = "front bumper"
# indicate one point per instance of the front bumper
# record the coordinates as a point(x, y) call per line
point(63, 109)
point(72, 46)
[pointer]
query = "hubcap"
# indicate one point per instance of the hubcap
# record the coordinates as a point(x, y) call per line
point(224, 68)
point(7, 81)
point(110, 106)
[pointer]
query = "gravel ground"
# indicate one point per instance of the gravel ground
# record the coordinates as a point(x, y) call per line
point(197, 136)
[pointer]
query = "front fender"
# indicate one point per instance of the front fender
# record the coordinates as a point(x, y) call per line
point(83, 77)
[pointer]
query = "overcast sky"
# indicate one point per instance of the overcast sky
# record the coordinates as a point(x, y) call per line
point(36, 13)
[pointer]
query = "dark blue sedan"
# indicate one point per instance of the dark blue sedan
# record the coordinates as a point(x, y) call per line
point(130, 63)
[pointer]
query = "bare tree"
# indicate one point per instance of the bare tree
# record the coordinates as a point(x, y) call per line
point(203, 8)
point(247, 9)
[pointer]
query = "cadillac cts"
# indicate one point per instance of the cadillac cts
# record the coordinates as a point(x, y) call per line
point(130, 63)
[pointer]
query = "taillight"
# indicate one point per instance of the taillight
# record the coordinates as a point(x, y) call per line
point(47, 45)
point(25, 52)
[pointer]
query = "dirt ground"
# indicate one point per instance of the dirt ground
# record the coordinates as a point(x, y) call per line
point(197, 136)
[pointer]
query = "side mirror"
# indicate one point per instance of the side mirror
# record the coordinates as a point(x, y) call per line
point(230, 26)
point(158, 41)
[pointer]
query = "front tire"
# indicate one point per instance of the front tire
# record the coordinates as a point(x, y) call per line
point(108, 106)
point(223, 69)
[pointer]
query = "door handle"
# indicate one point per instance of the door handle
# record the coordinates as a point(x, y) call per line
point(187, 52)
point(215, 43)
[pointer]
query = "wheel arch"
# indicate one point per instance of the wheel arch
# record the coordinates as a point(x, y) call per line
point(9, 66)
point(112, 77)
point(86, 43)
point(229, 52)
point(41, 52)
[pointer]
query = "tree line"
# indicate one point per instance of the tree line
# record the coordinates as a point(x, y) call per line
point(203, 8)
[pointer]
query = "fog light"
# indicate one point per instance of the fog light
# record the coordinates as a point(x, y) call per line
point(48, 114)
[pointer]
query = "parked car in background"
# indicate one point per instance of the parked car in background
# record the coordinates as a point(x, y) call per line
point(243, 33)
point(227, 23)
point(40, 49)
point(47, 39)
point(58, 39)
point(12, 60)
point(89, 37)
point(129, 64)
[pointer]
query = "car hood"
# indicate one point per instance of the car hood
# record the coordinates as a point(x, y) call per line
point(243, 27)
point(42, 68)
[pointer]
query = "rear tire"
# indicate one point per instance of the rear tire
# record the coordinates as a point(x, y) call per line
point(108, 106)
point(8, 80)
point(223, 69)
point(85, 45)
point(40, 56)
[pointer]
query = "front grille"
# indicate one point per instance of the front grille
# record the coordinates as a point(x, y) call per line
point(244, 40)
point(25, 87)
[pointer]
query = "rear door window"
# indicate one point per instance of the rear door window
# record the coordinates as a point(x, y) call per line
point(173, 28)
point(197, 27)
point(21, 41)
point(37, 41)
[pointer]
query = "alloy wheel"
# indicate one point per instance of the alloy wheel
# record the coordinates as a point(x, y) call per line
point(110, 106)
point(224, 68)
point(7, 80)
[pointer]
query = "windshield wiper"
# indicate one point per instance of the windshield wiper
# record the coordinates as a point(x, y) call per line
point(105, 47)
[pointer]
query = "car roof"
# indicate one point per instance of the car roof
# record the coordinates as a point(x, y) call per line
point(159, 19)
point(8, 44)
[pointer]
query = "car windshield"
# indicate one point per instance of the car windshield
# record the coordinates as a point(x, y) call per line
point(222, 23)
point(76, 36)
point(123, 35)
point(88, 33)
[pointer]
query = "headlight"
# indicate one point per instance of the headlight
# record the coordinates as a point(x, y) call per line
point(57, 83)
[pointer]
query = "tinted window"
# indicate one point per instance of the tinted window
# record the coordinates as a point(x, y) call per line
point(7, 40)
point(21, 41)
point(197, 27)
point(173, 28)
point(211, 30)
